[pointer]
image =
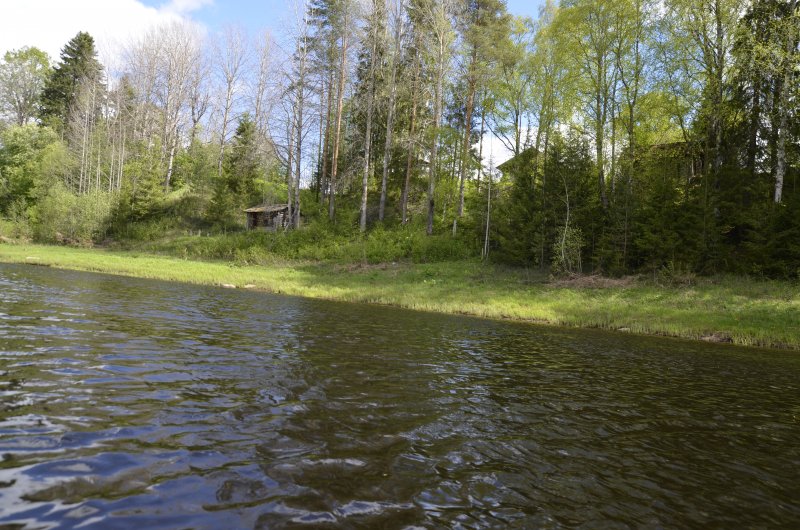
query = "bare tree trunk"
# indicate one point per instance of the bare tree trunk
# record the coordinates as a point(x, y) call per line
point(465, 147)
point(320, 148)
point(232, 60)
point(599, 143)
point(411, 143)
point(295, 211)
point(387, 151)
point(437, 117)
point(223, 133)
point(613, 176)
point(564, 260)
point(121, 163)
point(480, 144)
point(780, 166)
point(544, 195)
point(441, 33)
point(485, 253)
point(170, 163)
point(290, 165)
point(82, 188)
point(338, 126)
point(368, 131)
point(326, 148)
point(260, 111)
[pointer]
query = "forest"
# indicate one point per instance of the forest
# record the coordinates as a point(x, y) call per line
point(645, 136)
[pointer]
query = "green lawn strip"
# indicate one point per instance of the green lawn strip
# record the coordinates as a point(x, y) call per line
point(744, 311)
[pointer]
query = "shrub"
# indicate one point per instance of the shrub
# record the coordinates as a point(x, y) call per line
point(676, 274)
point(64, 217)
point(567, 252)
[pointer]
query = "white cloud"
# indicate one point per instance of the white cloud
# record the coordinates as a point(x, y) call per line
point(50, 24)
point(184, 7)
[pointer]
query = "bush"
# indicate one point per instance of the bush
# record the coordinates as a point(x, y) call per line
point(676, 274)
point(567, 252)
point(318, 241)
point(18, 225)
point(64, 217)
point(146, 230)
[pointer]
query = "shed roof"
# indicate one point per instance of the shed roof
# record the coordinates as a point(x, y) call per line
point(525, 154)
point(267, 208)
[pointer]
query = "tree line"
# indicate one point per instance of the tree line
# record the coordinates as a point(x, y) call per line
point(644, 134)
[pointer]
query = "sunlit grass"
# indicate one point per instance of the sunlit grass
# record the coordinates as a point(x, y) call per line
point(744, 311)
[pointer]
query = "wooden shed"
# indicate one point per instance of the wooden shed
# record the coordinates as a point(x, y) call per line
point(268, 217)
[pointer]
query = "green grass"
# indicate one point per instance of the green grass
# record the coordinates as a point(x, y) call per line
point(744, 311)
point(317, 242)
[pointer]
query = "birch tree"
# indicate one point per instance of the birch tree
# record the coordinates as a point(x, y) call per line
point(397, 28)
point(23, 74)
point(487, 25)
point(589, 27)
point(435, 18)
point(231, 55)
point(788, 66)
point(180, 52)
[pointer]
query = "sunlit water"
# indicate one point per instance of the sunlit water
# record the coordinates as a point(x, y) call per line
point(137, 404)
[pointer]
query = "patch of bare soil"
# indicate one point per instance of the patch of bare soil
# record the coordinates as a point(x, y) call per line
point(367, 267)
point(13, 241)
point(716, 337)
point(593, 281)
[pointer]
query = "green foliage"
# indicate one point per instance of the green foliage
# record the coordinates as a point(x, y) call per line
point(567, 250)
point(675, 275)
point(145, 230)
point(18, 226)
point(241, 169)
point(224, 208)
point(318, 241)
point(196, 167)
point(238, 186)
point(783, 249)
point(57, 166)
point(23, 152)
point(654, 155)
point(520, 219)
point(143, 193)
point(546, 193)
point(78, 63)
point(64, 217)
point(14, 230)
point(179, 211)
point(22, 77)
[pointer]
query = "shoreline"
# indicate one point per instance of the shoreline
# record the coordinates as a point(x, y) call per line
point(735, 310)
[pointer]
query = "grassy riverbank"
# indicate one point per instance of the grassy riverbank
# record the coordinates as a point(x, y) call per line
point(739, 310)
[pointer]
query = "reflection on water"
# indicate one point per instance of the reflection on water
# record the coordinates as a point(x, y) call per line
point(135, 404)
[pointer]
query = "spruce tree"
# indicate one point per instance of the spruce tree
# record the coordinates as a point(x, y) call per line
point(78, 63)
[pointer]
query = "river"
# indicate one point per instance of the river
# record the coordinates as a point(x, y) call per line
point(129, 403)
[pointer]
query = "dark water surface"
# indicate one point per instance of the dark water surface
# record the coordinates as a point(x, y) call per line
point(138, 404)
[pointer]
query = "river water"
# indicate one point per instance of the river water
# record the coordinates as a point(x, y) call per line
point(139, 404)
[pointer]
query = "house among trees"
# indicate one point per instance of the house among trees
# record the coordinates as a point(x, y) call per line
point(268, 217)
point(680, 160)
point(523, 162)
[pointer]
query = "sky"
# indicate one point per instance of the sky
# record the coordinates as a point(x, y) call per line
point(49, 24)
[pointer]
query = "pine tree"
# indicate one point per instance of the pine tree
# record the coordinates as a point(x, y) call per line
point(241, 168)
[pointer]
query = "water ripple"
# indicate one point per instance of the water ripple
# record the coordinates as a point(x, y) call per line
point(128, 403)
